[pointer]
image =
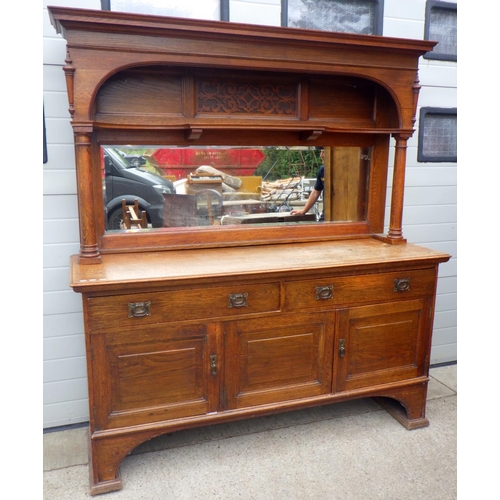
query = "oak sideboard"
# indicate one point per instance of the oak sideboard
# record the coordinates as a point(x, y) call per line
point(222, 313)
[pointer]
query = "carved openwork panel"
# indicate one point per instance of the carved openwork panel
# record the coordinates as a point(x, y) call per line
point(250, 98)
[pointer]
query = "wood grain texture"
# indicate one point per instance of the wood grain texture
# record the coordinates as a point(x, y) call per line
point(150, 269)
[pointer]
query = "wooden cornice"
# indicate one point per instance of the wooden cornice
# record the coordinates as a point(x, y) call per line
point(64, 19)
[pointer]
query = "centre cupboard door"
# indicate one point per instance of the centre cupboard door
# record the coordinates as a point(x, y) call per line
point(278, 358)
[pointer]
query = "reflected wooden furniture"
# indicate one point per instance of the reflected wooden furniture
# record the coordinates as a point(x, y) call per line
point(197, 182)
point(189, 326)
point(132, 217)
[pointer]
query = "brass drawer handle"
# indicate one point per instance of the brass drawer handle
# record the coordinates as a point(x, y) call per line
point(139, 309)
point(237, 300)
point(401, 285)
point(324, 292)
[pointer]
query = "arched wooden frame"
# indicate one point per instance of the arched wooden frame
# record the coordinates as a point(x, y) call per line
point(103, 44)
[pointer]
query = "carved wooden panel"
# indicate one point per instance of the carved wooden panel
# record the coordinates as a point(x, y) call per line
point(250, 98)
point(167, 95)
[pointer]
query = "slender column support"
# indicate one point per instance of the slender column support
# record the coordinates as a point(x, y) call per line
point(89, 252)
point(395, 234)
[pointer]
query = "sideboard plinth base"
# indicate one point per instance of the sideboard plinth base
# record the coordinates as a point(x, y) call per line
point(397, 410)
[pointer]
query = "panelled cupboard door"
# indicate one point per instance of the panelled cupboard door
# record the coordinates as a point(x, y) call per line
point(381, 343)
point(148, 375)
point(278, 358)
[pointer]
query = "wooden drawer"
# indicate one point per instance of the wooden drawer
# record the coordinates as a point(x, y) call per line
point(339, 291)
point(122, 311)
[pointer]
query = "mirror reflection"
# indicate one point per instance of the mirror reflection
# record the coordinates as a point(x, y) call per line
point(156, 188)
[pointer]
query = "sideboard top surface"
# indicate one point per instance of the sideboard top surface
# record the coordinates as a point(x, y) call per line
point(151, 269)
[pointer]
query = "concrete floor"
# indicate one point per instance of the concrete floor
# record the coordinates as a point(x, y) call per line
point(353, 450)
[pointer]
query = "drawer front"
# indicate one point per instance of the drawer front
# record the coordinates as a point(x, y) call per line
point(339, 291)
point(122, 311)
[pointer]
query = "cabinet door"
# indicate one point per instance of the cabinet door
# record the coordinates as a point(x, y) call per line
point(153, 374)
point(278, 358)
point(382, 343)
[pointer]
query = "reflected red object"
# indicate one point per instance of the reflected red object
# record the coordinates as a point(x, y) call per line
point(180, 162)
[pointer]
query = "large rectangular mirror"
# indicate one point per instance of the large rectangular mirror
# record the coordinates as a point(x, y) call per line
point(167, 187)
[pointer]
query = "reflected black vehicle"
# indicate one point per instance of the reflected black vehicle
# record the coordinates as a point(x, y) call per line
point(134, 160)
point(123, 181)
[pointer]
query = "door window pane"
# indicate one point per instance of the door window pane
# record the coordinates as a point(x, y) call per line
point(348, 16)
point(441, 26)
point(437, 135)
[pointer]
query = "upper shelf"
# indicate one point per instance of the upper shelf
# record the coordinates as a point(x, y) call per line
point(103, 43)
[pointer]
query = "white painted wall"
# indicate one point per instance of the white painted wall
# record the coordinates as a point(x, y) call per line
point(430, 208)
point(64, 370)
point(430, 216)
point(264, 12)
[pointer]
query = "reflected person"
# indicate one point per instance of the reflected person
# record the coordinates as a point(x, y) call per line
point(318, 188)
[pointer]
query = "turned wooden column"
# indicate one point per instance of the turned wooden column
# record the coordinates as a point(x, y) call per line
point(89, 252)
point(395, 234)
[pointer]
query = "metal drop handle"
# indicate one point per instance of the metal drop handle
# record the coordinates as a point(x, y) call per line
point(324, 292)
point(237, 300)
point(139, 309)
point(401, 284)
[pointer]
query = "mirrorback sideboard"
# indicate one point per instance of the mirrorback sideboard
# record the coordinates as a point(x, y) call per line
point(224, 318)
